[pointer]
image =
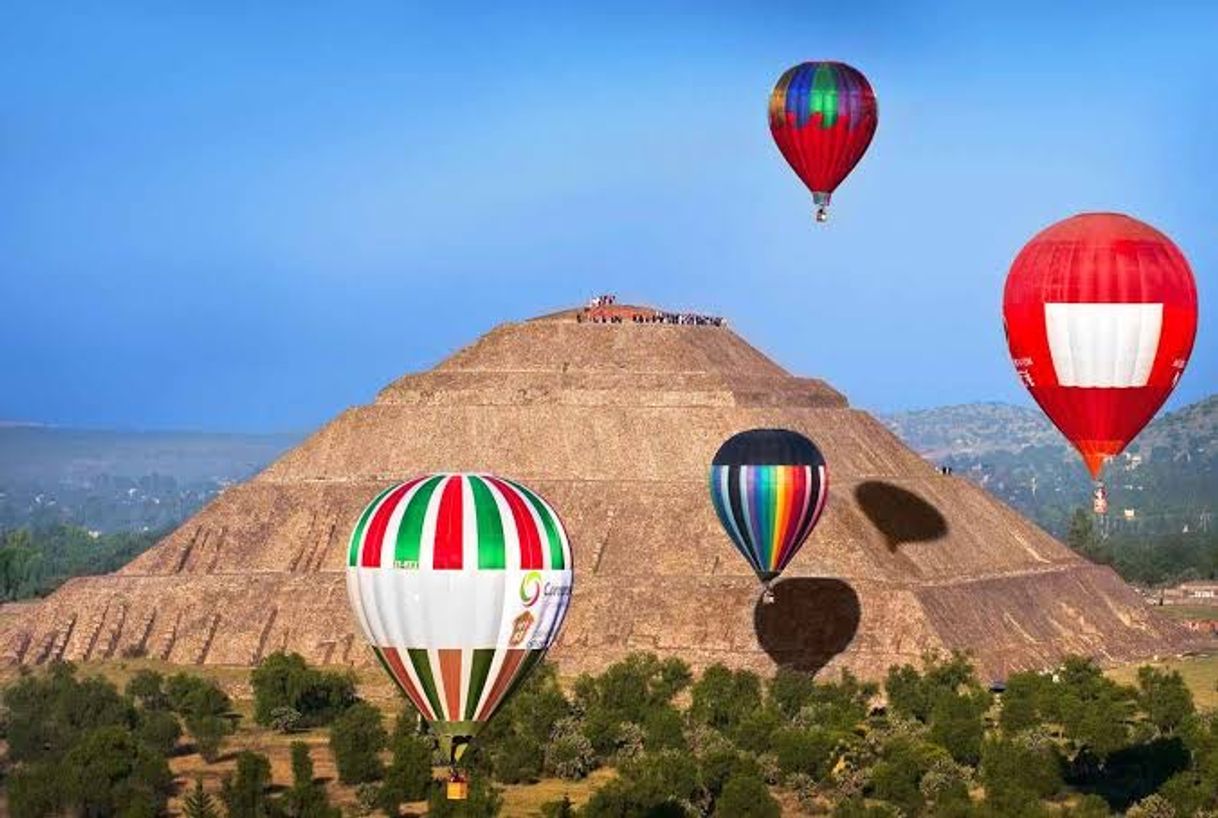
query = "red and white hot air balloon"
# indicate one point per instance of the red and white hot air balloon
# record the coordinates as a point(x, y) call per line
point(1100, 313)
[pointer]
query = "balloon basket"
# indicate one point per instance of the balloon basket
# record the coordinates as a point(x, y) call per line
point(456, 788)
point(767, 597)
point(822, 215)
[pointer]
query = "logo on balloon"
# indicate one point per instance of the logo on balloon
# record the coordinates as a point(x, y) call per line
point(530, 588)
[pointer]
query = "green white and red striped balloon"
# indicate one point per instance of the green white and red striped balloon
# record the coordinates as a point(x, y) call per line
point(460, 582)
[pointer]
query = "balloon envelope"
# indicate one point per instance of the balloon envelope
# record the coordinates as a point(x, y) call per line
point(822, 117)
point(460, 582)
point(769, 488)
point(1100, 313)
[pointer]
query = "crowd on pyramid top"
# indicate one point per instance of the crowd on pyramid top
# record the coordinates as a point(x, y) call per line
point(604, 309)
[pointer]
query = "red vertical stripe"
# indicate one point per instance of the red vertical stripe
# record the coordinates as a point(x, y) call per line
point(374, 537)
point(403, 679)
point(526, 528)
point(448, 545)
point(796, 506)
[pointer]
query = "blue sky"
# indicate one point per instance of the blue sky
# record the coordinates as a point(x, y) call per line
point(249, 219)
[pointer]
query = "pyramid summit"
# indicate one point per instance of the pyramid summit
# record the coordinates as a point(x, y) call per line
point(614, 413)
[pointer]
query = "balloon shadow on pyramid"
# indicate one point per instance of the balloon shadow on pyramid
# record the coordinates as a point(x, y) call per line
point(810, 621)
point(900, 515)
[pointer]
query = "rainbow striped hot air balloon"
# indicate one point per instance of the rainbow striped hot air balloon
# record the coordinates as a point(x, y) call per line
point(769, 488)
point(460, 582)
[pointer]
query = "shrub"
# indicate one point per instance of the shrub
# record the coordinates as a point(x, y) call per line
point(49, 713)
point(569, 754)
point(804, 751)
point(244, 794)
point(108, 772)
point(664, 729)
point(721, 698)
point(306, 798)
point(286, 719)
point(159, 730)
point(1014, 773)
point(285, 680)
point(146, 688)
point(408, 776)
point(356, 738)
point(198, 803)
point(208, 733)
point(746, 796)
point(957, 724)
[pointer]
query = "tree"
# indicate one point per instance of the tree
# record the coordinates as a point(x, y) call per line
point(198, 803)
point(721, 698)
point(1164, 698)
point(146, 688)
point(34, 791)
point(1081, 535)
point(208, 733)
point(408, 777)
point(957, 724)
point(285, 680)
point(159, 729)
point(306, 798)
point(109, 772)
point(558, 809)
point(356, 738)
point(1015, 773)
point(245, 794)
point(807, 751)
point(746, 796)
point(47, 714)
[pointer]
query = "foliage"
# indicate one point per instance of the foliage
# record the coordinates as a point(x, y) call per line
point(1164, 698)
point(628, 691)
point(109, 772)
point(306, 798)
point(722, 698)
point(408, 776)
point(1016, 772)
point(356, 737)
point(746, 796)
point(897, 777)
point(198, 803)
point(285, 680)
point(807, 751)
point(159, 730)
point(36, 561)
point(245, 793)
point(147, 689)
point(569, 754)
point(48, 713)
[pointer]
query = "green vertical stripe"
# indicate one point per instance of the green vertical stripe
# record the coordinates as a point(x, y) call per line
point(491, 546)
point(410, 532)
point(357, 535)
point(422, 668)
point(824, 94)
point(557, 560)
point(389, 671)
point(477, 679)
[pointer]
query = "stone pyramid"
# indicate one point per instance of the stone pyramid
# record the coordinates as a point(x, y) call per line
point(616, 423)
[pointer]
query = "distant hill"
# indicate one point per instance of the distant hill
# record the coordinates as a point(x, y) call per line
point(113, 481)
point(1167, 479)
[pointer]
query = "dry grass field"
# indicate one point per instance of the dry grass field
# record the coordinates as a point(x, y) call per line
point(1200, 673)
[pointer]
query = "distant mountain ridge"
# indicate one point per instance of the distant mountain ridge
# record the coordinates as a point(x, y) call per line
point(118, 480)
point(1167, 480)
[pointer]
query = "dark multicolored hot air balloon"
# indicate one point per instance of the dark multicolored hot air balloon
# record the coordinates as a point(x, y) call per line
point(822, 116)
point(1100, 313)
point(769, 488)
point(461, 583)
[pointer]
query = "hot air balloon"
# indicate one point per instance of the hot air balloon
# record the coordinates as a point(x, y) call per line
point(769, 488)
point(460, 582)
point(1100, 313)
point(822, 116)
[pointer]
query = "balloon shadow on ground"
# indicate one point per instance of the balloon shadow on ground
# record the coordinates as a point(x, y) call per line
point(810, 621)
point(900, 515)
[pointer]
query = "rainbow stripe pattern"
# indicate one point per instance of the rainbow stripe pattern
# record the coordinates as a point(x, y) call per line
point(768, 487)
